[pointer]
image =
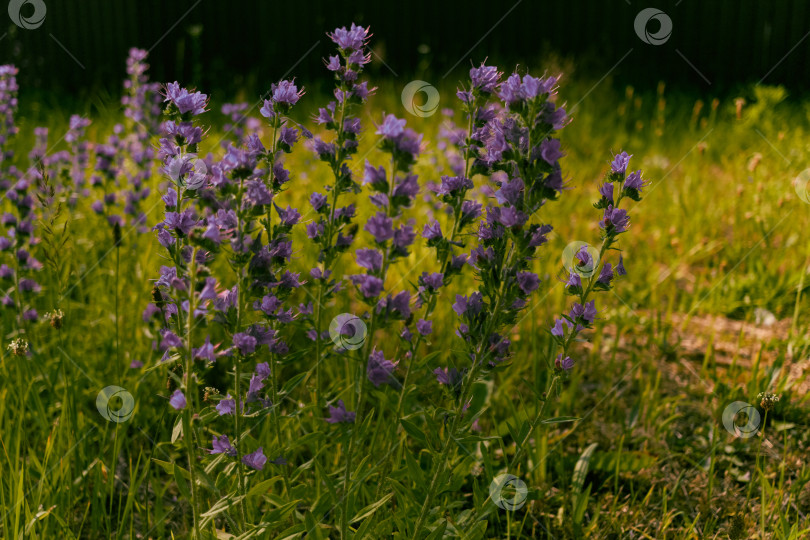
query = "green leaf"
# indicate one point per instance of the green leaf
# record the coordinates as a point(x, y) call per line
point(261, 487)
point(296, 531)
point(427, 358)
point(477, 531)
point(581, 505)
point(438, 532)
point(313, 529)
point(560, 419)
point(291, 384)
point(413, 431)
point(370, 509)
point(167, 466)
point(177, 432)
point(581, 468)
point(218, 507)
point(415, 471)
point(519, 435)
point(181, 476)
point(279, 514)
point(479, 398)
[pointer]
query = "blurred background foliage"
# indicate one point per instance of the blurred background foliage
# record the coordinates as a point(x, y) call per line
point(243, 45)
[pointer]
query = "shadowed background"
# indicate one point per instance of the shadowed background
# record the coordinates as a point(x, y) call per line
point(240, 44)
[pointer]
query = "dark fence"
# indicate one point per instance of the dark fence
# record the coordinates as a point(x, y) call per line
point(226, 44)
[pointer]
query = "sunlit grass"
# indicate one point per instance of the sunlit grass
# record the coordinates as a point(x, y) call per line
point(721, 232)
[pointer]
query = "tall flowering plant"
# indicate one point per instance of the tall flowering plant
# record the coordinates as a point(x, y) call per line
point(185, 289)
point(392, 190)
point(142, 108)
point(452, 197)
point(520, 153)
point(226, 208)
point(587, 272)
point(333, 231)
point(18, 284)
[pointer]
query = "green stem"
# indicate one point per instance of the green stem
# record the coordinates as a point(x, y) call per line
point(440, 466)
point(444, 262)
point(187, 411)
point(794, 323)
point(344, 512)
point(240, 298)
point(533, 425)
point(276, 426)
point(364, 358)
point(328, 257)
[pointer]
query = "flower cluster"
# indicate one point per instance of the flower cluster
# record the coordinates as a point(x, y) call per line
point(79, 152)
point(454, 192)
point(8, 108)
point(239, 124)
point(588, 271)
point(333, 230)
point(515, 145)
point(142, 106)
point(18, 265)
point(142, 98)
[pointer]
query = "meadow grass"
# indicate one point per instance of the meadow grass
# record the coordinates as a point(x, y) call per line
point(712, 312)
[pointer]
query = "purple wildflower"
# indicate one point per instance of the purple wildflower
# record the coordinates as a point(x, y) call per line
point(381, 227)
point(432, 281)
point(378, 369)
point(226, 406)
point(606, 191)
point(528, 282)
point(563, 363)
point(587, 312)
point(245, 343)
point(485, 78)
point(620, 267)
point(254, 386)
point(472, 304)
point(339, 414)
point(317, 201)
point(178, 400)
point(370, 259)
point(263, 370)
point(352, 39)
point(619, 163)
point(286, 93)
point(392, 127)
point(574, 283)
point(432, 231)
point(634, 181)
point(206, 352)
point(222, 445)
point(256, 460)
point(606, 275)
point(370, 286)
point(185, 101)
point(557, 330)
point(550, 151)
point(448, 376)
point(615, 220)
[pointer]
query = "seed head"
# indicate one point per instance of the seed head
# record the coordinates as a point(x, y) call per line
point(209, 391)
point(55, 317)
point(18, 347)
point(767, 400)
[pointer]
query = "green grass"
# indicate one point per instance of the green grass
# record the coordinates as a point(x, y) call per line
point(720, 236)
